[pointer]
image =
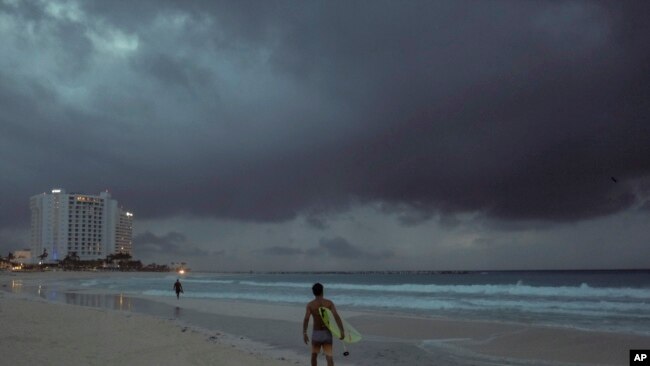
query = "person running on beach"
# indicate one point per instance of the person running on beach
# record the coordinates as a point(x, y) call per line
point(321, 337)
point(178, 288)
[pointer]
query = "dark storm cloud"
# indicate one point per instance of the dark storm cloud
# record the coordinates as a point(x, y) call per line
point(317, 218)
point(411, 214)
point(172, 244)
point(316, 222)
point(646, 206)
point(338, 248)
point(281, 251)
point(262, 111)
point(341, 248)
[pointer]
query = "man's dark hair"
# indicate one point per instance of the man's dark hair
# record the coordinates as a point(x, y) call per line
point(317, 289)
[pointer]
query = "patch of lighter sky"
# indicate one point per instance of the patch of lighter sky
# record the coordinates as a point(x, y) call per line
point(64, 10)
point(32, 51)
point(176, 20)
point(113, 42)
point(104, 37)
point(243, 68)
point(7, 25)
point(176, 31)
point(18, 45)
point(13, 3)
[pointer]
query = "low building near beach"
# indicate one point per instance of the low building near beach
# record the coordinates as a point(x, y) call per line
point(23, 256)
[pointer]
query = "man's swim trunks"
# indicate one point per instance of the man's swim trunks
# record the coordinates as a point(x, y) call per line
point(323, 336)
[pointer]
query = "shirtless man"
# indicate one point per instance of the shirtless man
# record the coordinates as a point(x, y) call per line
point(321, 337)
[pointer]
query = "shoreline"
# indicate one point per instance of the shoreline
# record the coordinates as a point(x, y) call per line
point(38, 331)
point(272, 331)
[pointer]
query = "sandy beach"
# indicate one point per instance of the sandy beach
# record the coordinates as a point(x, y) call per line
point(113, 329)
point(36, 331)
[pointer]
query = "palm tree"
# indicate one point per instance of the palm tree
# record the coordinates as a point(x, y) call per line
point(44, 255)
point(74, 256)
point(122, 258)
point(71, 261)
point(118, 256)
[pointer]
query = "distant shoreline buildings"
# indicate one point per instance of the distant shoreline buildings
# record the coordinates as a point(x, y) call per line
point(90, 226)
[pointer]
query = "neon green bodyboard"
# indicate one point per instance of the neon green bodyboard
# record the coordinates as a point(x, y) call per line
point(351, 334)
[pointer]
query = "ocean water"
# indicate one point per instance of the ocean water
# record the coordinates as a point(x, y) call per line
point(617, 301)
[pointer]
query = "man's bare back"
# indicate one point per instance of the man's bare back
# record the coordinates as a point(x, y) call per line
point(312, 308)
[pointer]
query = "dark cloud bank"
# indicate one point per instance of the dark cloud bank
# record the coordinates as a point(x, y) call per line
point(335, 248)
point(172, 244)
point(261, 111)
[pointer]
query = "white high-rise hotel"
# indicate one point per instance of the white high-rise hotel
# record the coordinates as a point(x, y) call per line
point(92, 226)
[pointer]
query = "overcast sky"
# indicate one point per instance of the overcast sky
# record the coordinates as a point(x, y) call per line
point(337, 135)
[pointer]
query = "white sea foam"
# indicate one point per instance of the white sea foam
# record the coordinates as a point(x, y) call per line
point(207, 281)
point(231, 296)
point(585, 308)
point(592, 307)
point(89, 283)
point(519, 289)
